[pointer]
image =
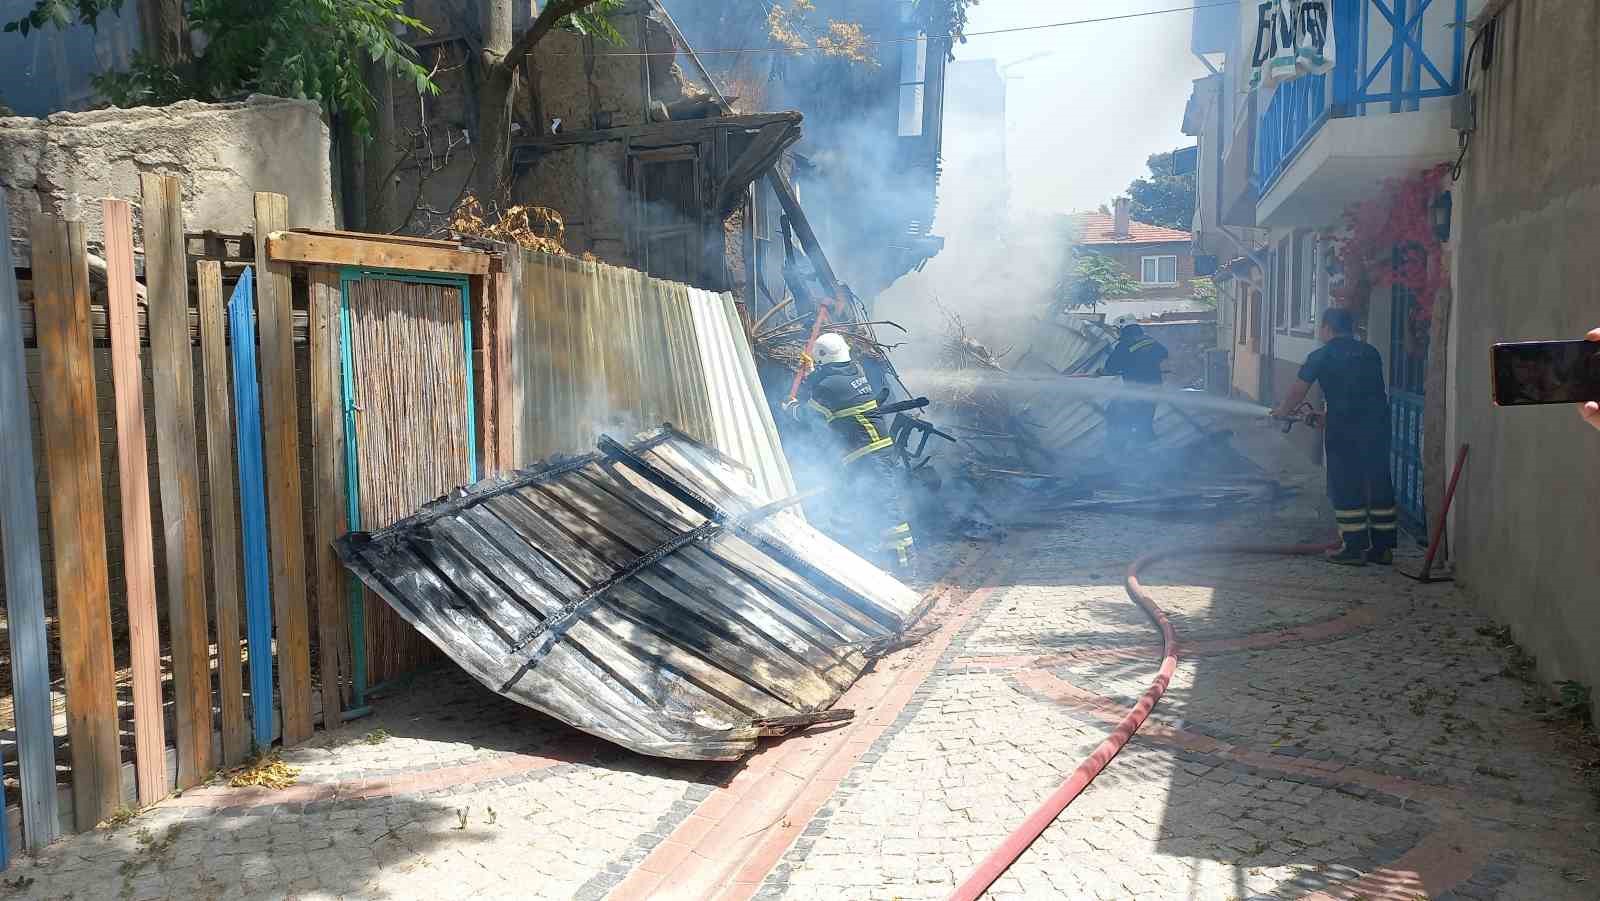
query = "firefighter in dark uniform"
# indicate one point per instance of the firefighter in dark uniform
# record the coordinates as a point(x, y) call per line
point(1137, 357)
point(1356, 436)
point(837, 393)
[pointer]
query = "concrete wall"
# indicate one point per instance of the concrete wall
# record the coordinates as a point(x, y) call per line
point(66, 163)
point(1527, 523)
point(1187, 343)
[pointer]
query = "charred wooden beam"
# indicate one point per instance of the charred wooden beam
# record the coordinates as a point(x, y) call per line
point(802, 230)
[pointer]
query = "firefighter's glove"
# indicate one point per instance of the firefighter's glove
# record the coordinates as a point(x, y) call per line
point(806, 362)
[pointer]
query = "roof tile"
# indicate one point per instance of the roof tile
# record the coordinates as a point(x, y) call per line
point(1098, 228)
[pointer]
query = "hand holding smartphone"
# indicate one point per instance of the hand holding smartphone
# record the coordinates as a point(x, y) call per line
point(1546, 372)
point(1591, 410)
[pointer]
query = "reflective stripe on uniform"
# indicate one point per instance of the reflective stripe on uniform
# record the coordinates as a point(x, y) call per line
point(1384, 520)
point(856, 410)
point(872, 448)
point(1141, 344)
point(1346, 527)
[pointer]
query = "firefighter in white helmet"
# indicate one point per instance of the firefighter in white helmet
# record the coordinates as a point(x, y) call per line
point(837, 393)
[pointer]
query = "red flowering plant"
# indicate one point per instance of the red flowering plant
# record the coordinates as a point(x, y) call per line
point(1389, 241)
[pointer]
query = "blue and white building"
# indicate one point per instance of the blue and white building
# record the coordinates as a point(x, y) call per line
point(1281, 162)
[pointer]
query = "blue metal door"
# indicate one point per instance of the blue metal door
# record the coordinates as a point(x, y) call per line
point(1408, 359)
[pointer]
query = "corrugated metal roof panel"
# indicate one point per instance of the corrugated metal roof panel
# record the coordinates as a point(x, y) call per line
point(605, 349)
point(740, 417)
point(1076, 429)
point(644, 594)
point(1068, 344)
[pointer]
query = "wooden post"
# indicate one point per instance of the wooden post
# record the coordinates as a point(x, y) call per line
point(508, 384)
point(24, 579)
point(282, 450)
point(327, 451)
point(172, 363)
point(71, 429)
point(224, 512)
point(138, 552)
point(480, 297)
point(802, 230)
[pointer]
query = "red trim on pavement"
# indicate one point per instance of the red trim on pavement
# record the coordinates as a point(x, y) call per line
point(1001, 858)
point(738, 834)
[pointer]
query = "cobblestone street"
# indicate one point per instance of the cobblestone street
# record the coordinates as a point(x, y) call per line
point(1330, 733)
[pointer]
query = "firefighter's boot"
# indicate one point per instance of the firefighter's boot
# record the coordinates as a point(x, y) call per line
point(1347, 556)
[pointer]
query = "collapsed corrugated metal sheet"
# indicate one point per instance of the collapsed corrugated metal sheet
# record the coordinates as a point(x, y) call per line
point(600, 349)
point(1064, 345)
point(644, 594)
point(1038, 419)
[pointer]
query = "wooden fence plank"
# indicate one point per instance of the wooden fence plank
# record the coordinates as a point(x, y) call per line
point(138, 549)
point(177, 450)
point(282, 449)
point(327, 451)
point(371, 251)
point(77, 514)
point(252, 507)
point(19, 547)
point(224, 512)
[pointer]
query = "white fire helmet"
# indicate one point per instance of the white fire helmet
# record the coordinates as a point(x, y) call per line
point(1124, 320)
point(830, 348)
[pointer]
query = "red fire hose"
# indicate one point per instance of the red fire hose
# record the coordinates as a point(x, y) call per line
point(1002, 857)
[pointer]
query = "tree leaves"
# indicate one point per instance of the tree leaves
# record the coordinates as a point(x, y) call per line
point(1164, 199)
point(1094, 279)
point(311, 49)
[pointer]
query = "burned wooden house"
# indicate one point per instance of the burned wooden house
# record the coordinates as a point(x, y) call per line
point(649, 164)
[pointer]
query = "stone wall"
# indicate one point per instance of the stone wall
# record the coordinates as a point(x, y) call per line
point(66, 163)
point(1526, 523)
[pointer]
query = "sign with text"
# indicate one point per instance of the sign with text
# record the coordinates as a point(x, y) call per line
point(1287, 39)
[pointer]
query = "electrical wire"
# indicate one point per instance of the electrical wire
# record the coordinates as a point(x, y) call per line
point(913, 39)
point(1485, 37)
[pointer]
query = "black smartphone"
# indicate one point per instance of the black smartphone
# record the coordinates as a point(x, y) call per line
point(1545, 372)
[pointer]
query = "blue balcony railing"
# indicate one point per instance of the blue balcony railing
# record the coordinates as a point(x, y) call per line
point(1390, 56)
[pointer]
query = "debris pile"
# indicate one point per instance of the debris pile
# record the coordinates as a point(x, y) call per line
point(534, 227)
point(784, 344)
point(1033, 436)
point(961, 351)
